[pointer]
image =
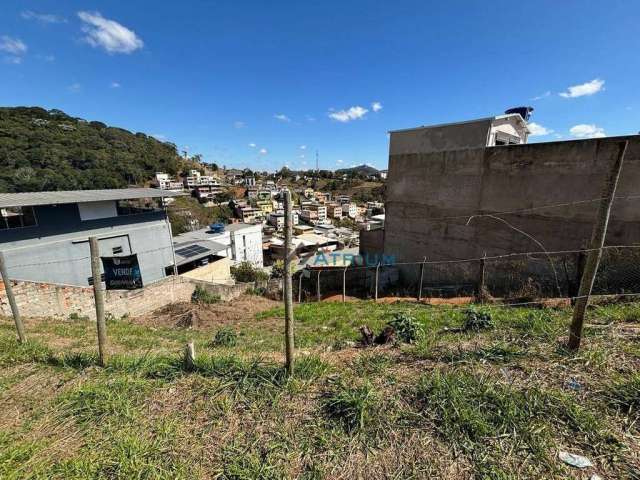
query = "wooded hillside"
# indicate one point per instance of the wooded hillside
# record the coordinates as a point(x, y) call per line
point(49, 150)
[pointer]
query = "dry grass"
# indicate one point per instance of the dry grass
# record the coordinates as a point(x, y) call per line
point(496, 403)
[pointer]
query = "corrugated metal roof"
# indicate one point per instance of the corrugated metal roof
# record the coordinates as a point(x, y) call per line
point(29, 199)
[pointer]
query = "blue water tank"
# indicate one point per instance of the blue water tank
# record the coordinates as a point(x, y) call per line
point(217, 227)
point(525, 112)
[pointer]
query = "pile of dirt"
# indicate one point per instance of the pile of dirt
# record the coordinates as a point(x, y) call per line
point(192, 315)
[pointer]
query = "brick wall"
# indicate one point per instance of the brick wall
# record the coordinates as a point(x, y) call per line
point(50, 300)
point(36, 299)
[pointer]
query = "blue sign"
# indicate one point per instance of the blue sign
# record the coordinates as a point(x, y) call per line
point(122, 273)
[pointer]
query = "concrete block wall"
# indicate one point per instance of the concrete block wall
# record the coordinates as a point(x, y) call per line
point(431, 197)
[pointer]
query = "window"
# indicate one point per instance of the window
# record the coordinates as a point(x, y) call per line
point(17, 217)
point(138, 205)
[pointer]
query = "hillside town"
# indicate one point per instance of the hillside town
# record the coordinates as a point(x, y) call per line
point(326, 240)
point(323, 221)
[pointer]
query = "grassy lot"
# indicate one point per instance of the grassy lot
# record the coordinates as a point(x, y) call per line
point(492, 403)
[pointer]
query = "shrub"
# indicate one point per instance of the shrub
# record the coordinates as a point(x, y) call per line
point(225, 337)
point(407, 328)
point(245, 272)
point(476, 319)
point(201, 295)
point(258, 291)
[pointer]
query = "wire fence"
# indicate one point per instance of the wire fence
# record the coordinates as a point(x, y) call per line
point(512, 278)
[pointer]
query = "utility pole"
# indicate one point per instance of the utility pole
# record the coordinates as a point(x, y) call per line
point(315, 181)
point(288, 287)
point(8, 288)
point(595, 253)
point(98, 294)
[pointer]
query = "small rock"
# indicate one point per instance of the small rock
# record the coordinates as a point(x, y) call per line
point(573, 384)
point(575, 460)
point(595, 476)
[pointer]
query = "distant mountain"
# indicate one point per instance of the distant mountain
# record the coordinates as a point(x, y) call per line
point(359, 170)
point(50, 150)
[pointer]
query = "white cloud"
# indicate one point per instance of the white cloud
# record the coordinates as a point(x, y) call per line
point(159, 136)
point(115, 85)
point(589, 88)
point(544, 95)
point(263, 151)
point(353, 113)
point(339, 161)
point(239, 124)
point(252, 145)
point(43, 17)
point(282, 117)
point(584, 130)
point(74, 87)
point(376, 106)
point(537, 130)
point(303, 147)
point(310, 118)
point(13, 60)
point(13, 46)
point(47, 58)
point(109, 34)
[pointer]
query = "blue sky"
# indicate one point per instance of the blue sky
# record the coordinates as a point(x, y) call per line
point(267, 83)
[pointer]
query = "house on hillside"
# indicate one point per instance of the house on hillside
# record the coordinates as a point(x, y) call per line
point(45, 235)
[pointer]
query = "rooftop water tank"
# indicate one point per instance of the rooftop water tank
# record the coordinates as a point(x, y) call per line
point(524, 112)
point(217, 227)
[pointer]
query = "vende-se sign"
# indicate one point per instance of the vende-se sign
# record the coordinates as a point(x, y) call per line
point(122, 273)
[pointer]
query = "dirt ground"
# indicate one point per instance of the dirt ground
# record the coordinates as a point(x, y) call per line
point(186, 314)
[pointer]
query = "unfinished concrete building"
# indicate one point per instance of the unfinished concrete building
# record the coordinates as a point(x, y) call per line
point(466, 190)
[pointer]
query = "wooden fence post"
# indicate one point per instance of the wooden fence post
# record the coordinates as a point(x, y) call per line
point(288, 287)
point(318, 294)
point(98, 294)
point(344, 285)
point(8, 288)
point(419, 296)
point(480, 288)
point(597, 242)
point(300, 287)
point(190, 356)
point(377, 278)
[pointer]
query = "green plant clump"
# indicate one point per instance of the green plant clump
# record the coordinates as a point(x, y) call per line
point(476, 319)
point(225, 337)
point(407, 328)
point(245, 272)
point(352, 406)
point(201, 295)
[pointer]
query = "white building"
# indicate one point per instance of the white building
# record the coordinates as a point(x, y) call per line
point(165, 182)
point(195, 179)
point(242, 242)
point(350, 210)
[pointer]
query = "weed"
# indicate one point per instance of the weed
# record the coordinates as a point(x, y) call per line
point(352, 406)
point(407, 328)
point(203, 296)
point(225, 337)
point(476, 319)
